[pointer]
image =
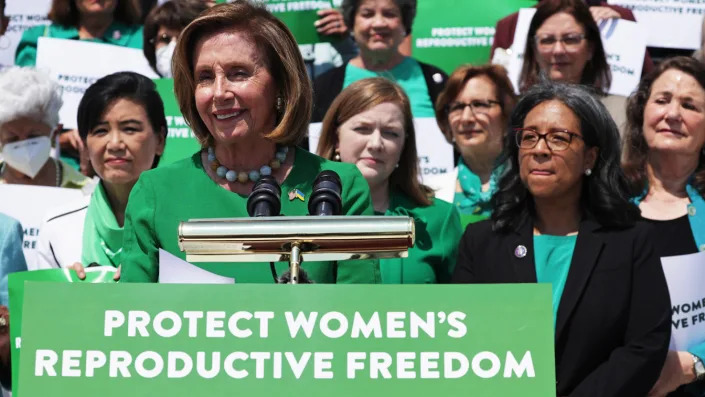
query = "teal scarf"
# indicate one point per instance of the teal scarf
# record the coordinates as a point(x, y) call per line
point(102, 237)
point(472, 200)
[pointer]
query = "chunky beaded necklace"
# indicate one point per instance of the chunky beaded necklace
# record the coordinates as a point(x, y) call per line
point(246, 176)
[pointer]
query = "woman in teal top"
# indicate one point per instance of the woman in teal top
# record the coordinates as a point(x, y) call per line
point(110, 21)
point(563, 216)
point(379, 28)
point(370, 125)
point(248, 103)
point(666, 165)
point(472, 111)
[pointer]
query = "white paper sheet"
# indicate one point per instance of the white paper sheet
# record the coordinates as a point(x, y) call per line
point(174, 270)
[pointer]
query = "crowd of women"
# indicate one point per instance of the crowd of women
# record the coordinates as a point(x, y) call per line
point(560, 185)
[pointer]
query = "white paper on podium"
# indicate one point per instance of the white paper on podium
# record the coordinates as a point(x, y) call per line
point(685, 275)
point(174, 270)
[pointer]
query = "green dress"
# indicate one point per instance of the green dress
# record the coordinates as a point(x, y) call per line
point(180, 191)
point(117, 34)
point(438, 232)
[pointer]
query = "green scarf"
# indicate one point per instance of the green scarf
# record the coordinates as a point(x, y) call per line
point(102, 237)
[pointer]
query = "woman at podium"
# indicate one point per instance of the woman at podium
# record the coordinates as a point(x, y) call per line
point(242, 86)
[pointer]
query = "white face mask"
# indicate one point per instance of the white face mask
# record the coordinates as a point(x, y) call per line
point(164, 54)
point(28, 156)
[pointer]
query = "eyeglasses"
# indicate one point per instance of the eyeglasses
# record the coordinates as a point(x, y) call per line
point(556, 140)
point(570, 41)
point(478, 106)
point(163, 38)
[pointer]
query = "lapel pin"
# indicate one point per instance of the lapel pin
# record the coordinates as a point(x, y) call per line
point(520, 251)
point(296, 194)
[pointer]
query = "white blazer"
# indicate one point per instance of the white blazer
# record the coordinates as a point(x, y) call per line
point(443, 185)
point(61, 234)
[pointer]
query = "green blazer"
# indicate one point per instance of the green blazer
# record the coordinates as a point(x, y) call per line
point(180, 191)
point(117, 34)
point(438, 232)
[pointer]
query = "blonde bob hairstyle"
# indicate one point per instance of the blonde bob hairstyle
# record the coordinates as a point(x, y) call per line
point(362, 96)
point(283, 59)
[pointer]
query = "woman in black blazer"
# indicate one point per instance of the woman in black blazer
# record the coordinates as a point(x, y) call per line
point(562, 215)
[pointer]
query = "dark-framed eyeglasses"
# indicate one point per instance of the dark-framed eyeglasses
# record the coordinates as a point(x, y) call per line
point(569, 41)
point(556, 140)
point(163, 38)
point(478, 106)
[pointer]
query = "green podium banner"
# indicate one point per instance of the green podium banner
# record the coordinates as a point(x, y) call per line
point(16, 283)
point(286, 340)
point(180, 141)
point(450, 33)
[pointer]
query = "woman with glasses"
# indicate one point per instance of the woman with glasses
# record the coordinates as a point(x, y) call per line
point(562, 215)
point(472, 111)
point(565, 45)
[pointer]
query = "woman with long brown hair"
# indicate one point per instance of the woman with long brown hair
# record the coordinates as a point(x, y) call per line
point(370, 125)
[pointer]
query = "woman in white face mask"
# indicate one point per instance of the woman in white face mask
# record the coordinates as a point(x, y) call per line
point(29, 114)
point(161, 29)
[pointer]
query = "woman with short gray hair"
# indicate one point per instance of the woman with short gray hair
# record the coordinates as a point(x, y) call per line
point(379, 27)
point(29, 115)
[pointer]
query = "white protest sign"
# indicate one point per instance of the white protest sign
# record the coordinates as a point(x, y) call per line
point(434, 152)
point(516, 52)
point(668, 23)
point(76, 64)
point(625, 45)
point(685, 275)
point(23, 14)
point(28, 204)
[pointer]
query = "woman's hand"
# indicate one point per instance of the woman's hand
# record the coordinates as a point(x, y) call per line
point(600, 12)
point(677, 371)
point(81, 272)
point(330, 22)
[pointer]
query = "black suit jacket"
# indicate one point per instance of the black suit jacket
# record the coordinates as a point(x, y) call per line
point(613, 323)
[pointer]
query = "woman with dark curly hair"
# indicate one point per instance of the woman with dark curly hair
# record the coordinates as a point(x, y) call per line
point(562, 215)
point(665, 164)
point(379, 28)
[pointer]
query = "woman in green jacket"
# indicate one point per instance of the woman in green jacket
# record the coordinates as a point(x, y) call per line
point(370, 125)
point(242, 86)
point(110, 21)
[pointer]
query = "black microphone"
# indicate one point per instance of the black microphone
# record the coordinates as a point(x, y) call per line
point(265, 199)
point(325, 197)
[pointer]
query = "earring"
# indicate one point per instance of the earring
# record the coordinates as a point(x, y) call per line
point(280, 103)
point(588, 172)
point(336, 156)
point(397, 165)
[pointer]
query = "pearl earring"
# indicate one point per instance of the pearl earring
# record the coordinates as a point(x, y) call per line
point(336, 156)
point(588, 172)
